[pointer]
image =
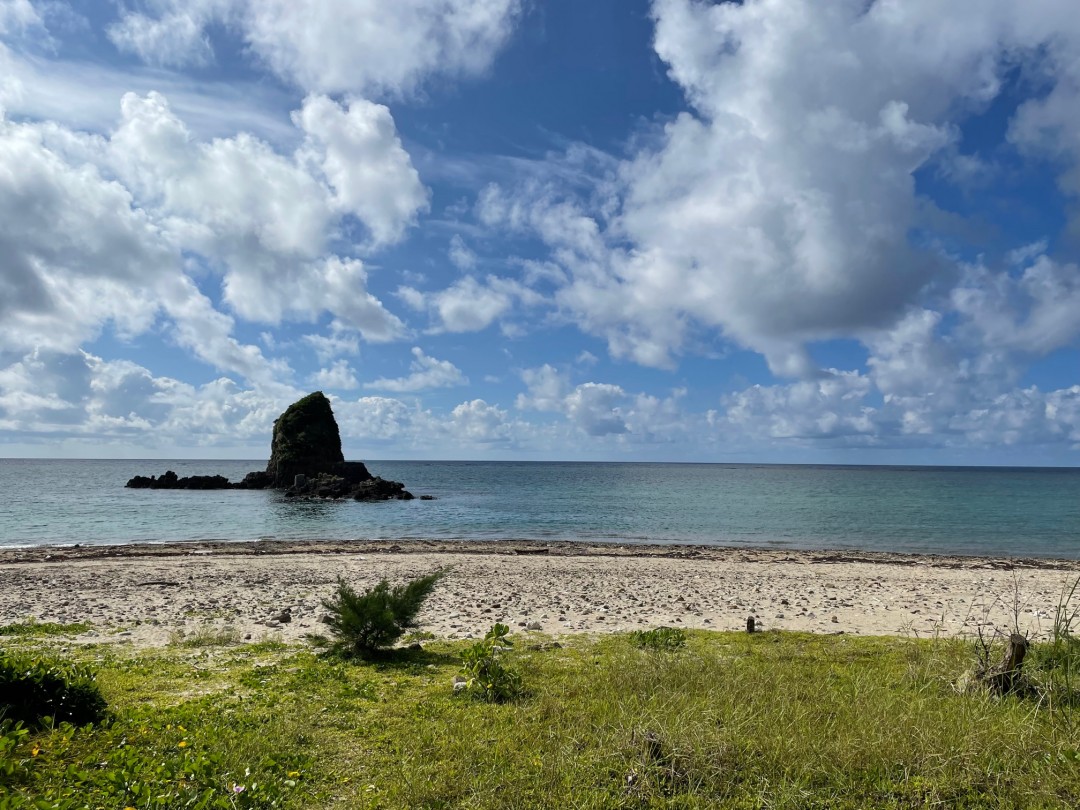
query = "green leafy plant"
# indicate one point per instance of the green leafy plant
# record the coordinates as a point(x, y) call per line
point(486, 675)
point(659, 639)
point(146, 764)
point(32, 689)
point(15, 762)
point(362, 624)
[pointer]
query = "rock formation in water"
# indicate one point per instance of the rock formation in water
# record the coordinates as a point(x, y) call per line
point(306, 442)
point(305, 460)
point(170, 480)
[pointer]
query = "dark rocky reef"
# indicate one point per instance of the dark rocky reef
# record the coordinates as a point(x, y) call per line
point(170, 480)
point(305, 460)
point(336, 486)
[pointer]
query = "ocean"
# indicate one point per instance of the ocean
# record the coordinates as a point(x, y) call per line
point(983, 511)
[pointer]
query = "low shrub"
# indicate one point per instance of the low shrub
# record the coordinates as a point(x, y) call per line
point(14, 761)
point(32, 689)
point(362, 624)
point(659, 639)
point(486, 675)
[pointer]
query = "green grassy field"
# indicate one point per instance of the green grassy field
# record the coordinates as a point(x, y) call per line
point(772, 720)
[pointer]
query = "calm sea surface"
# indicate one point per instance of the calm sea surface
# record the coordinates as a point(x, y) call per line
point(1020, 512)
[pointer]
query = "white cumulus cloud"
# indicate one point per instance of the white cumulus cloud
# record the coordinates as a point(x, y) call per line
point(426, 373)
point(360, 154)
point(339, 376)
point(329, 46)
point(470, 305)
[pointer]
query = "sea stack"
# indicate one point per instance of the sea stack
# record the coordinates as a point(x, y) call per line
point(306, 441)
point(305, 460)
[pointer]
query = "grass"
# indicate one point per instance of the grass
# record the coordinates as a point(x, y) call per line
point(770, 720)
point(206, 636)
point(32, 627)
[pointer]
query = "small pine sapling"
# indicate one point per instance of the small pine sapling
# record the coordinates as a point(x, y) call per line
point(362, 624)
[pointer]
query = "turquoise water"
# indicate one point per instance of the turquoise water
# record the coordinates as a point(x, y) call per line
point(1019, 512)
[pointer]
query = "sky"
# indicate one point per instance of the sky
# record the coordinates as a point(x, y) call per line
point(673, 230)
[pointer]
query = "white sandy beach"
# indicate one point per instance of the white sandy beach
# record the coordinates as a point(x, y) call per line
point(149, 595)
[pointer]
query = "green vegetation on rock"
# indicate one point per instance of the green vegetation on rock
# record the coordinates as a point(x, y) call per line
point(305, 441)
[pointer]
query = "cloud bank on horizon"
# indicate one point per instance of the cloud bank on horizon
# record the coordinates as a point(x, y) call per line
point(775, 230)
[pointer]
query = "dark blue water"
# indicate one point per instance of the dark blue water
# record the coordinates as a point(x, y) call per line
point(1019, 512)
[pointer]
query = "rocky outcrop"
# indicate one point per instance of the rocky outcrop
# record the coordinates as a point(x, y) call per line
point(335, 486)
point(171, 480)
point(306, 441)
point(305, 460)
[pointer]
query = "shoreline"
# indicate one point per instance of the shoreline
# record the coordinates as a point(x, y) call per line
point(521, 547)
point(155, 594)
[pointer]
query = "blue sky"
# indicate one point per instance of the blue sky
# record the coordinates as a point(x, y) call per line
point(619, 229)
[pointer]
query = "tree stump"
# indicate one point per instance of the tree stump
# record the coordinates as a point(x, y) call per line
point(1005, 676)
